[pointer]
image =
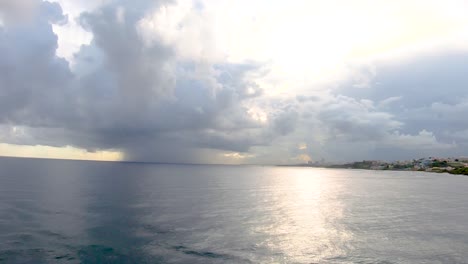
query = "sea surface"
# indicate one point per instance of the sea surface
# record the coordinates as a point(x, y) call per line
point(55, 211)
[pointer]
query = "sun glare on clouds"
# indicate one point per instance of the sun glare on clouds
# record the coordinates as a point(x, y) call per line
point(308, 44)
point(67, 152)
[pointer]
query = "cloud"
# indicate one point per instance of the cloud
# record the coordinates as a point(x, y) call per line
point(160, 81)
point(356, 120)
point(12, 11)
point(423, 140)
point(34, 82)
point(123, 93)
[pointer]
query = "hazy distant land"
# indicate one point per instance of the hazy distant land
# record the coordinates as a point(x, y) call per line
point(430, 164)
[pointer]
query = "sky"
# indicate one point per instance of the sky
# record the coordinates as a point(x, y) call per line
point(234, 82)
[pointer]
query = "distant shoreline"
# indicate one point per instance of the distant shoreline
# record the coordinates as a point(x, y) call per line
point(456, 166)
point(433, 165)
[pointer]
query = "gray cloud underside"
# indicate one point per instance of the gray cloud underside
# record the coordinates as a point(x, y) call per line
point(125, 94)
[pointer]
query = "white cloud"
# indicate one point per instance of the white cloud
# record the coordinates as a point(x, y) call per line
point(422, 141)
point(71, 36)
point(308, 44)
point(12, 11)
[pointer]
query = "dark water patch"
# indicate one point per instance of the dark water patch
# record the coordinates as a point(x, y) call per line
point(52, 235)
point(117, 236)
point(18, 214)
point(64, 256)
point(15, 240)
point(104, 254)
point(155, 230)
point(207, 254)
point(25, 256)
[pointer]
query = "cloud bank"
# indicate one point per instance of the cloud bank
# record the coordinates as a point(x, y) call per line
point(223, 82)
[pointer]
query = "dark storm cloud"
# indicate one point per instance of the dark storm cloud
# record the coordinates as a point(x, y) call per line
point(124, 94)
point(151, 105)
point(34, 82)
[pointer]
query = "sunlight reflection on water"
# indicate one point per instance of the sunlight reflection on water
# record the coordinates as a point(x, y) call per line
point(306, 217)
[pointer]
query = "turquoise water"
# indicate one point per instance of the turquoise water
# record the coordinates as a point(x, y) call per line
point(55, 211)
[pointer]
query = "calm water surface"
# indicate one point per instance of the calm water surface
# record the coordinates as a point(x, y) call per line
point(93, 212)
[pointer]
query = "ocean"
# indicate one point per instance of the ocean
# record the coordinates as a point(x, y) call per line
point(57, 211)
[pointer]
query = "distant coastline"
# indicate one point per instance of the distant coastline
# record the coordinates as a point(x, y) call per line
point(457, 166)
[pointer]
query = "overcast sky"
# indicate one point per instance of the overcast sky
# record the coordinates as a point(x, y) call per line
point(222, 81)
